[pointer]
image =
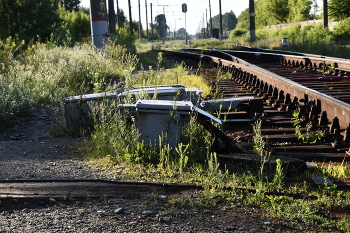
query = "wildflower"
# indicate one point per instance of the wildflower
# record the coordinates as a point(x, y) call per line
point(202, 104)
point(199, 92)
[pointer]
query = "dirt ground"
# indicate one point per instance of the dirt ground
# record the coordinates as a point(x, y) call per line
point(26, 152)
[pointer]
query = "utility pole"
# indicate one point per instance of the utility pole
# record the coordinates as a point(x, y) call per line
point(146, 20)
point(252, 20)
point(140, 31)
point(151, 23)
point(325, 14)
point(206, 22)
point(203, 27)
point(164, 25)
point(118, 15)
point(175, 31)
point(130, 19)
point(220, 33)
point(211, 22)
point(111, 16)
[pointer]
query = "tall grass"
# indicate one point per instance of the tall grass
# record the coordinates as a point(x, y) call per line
point(178, 75)
point(46, 75)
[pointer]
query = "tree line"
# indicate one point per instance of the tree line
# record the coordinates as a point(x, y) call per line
point(60, 21)
point(65, 19)
point(271, 12)
point(40, 19)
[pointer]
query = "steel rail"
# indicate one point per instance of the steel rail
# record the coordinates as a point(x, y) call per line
point(333, 107)
point(308, 61)
point(162, 185)
point(254, 49)
point(341, 67)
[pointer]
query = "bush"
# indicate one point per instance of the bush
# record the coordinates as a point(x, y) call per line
point(74, 26)
point(124, 39)
point(341, 32)
point(237, 33)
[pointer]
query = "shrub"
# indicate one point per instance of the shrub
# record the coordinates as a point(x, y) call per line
point(341, 32)
point(76, 22)
point(237, 33)
point(124, 39)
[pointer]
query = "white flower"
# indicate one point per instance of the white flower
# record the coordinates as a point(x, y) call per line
point(202, 104)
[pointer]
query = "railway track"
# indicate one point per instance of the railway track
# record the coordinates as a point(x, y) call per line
point(315, 87)
point(285, 83)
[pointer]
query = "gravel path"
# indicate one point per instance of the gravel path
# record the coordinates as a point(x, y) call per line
point(30, 154)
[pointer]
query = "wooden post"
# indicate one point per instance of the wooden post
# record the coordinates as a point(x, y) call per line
point(130, 19)
point(140, 30)
point(118, 15)
point(252, 20)
point(220, 18)
point(151, 23)
point(206, 23)
point(211, 22)
point(146, 20)
point(325, 13)
point(111, 16)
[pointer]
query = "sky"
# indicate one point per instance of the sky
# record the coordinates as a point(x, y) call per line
point(196, 11)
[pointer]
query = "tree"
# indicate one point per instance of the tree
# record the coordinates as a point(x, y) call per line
point(9, 17)
point(121, 17)
point(71, 5)
point(160, 25)
point(229, 21)
point(271, 12)
point(299, 10)
point(85, 10)
point(37, 17)
point(181, 33)
point(315, 9)
point(339, 9)
point(76, 22)
point(243, 20)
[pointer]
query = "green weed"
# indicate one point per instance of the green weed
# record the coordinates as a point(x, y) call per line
point(307, 136)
